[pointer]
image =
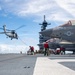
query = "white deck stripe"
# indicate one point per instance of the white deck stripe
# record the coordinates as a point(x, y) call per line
point(45, 66)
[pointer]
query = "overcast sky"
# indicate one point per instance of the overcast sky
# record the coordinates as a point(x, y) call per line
point(15, 13)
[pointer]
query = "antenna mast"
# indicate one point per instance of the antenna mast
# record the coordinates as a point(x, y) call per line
point(44, 24)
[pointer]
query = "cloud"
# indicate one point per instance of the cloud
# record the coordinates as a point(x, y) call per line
point(61, 9)
point(55, 11)
point(29, 40)
point(4, 48)
point(68, 7)
point(23, 7)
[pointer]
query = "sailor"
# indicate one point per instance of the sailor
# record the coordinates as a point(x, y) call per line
point(46, 47)
point(32, 50)
point(62, 49)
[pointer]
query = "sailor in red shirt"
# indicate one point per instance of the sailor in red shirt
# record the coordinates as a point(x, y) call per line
point(32, 50)
point(46, 47)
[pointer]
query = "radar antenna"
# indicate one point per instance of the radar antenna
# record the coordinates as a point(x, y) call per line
point(44, 24)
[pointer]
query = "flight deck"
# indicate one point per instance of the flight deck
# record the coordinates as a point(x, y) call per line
point(22, 64)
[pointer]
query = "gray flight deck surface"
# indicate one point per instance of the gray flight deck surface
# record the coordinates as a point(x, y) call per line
point(17, 64)
point(22, 64)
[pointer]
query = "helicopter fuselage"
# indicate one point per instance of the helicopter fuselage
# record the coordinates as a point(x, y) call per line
point(10, 34)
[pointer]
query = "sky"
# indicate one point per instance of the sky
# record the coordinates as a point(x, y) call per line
point(15, 13)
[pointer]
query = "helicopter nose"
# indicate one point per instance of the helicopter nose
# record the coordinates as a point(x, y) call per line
point(46, 33)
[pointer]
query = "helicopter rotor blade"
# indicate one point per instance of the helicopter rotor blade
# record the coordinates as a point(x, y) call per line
point(6, 29)
point(1, 28)
point(20, 27)
point(16, 29)
point(13, 30)
point(2, 32)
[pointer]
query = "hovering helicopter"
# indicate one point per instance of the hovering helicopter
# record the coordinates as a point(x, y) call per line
point(10, 33)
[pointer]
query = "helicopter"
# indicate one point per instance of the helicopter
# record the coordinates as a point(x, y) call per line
point(10, 33)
